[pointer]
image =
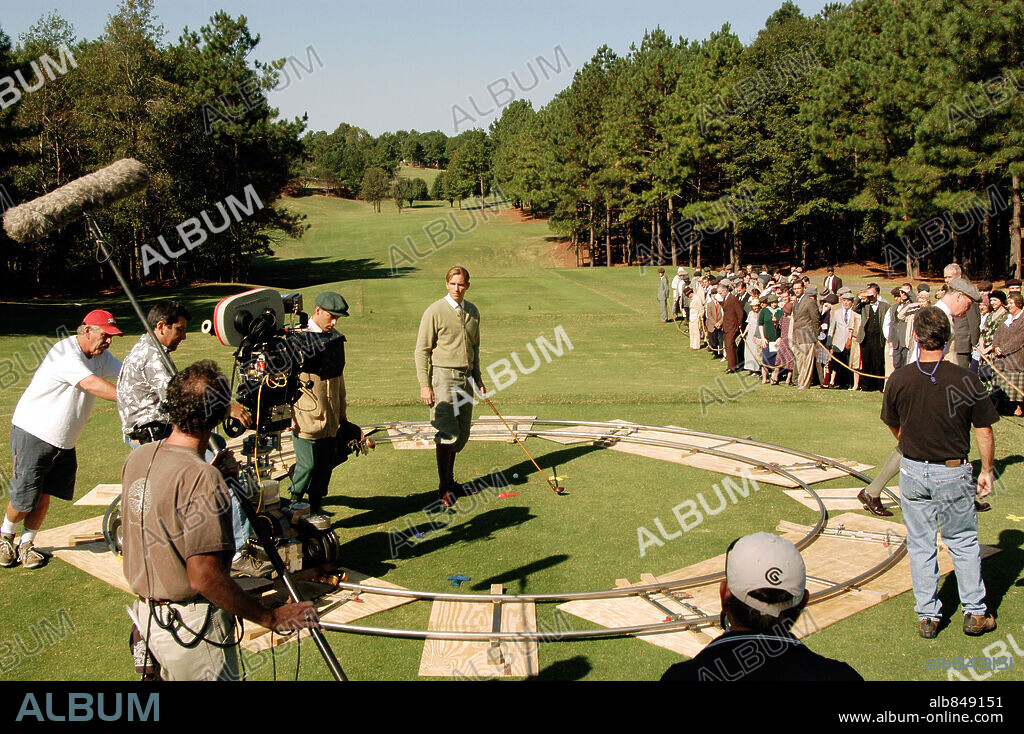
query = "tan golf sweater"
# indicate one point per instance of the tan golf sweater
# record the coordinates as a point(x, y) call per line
point(444, 342)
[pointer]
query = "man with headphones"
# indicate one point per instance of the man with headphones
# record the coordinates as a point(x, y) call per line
point(178, 540)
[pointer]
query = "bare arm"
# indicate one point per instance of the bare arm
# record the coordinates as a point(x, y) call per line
point(987, 449)
point(207, 574)
point(99, 387)
point(896, 432)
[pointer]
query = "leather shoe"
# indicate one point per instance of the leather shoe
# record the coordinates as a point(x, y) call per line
point(978, 624)
point(873, 504)
point(928, 628)
point(982, 506)
point(447, 499)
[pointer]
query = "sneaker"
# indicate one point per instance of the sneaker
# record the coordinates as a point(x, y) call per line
point(8, 556)
point(928, 628)
point(978, 624)
point(247, 565)
point(31, 557)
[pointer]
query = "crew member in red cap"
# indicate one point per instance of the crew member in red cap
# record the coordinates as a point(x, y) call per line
point(47, 422)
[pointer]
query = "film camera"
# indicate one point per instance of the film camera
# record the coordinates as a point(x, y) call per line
point(273, 347)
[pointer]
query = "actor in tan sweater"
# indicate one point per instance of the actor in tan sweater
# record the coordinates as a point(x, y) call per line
point(448, 369)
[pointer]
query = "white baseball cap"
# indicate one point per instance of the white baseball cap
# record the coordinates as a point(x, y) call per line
point(765, 561)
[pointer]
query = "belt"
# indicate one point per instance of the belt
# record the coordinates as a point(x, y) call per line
point(153, 431)
point(465, 370)
point(167, 602)
point(951, 463)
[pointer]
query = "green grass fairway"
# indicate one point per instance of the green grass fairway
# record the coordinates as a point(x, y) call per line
point(427, 174)
point(623, 364)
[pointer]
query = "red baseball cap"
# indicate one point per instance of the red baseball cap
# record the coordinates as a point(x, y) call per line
point(104, 320)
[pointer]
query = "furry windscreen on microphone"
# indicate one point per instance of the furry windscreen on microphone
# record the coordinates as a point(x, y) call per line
point(47, 214)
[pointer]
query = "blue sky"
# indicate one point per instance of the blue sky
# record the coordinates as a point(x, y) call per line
point(406, 65)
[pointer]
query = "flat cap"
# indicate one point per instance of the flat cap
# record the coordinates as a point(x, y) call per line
point(966, 287)
point(333, 303)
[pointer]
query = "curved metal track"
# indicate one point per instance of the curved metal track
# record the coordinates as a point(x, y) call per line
point(605, 632)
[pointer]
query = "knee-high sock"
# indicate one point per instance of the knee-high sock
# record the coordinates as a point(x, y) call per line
point(445, 460)
point(889, 469)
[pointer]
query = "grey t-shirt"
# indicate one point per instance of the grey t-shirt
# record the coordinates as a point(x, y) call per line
point(173, 505)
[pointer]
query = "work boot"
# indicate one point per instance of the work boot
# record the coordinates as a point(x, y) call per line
point(31, 557)
point(248, 565)
point(873, 504)
point(928, 628)
point(978, 624)
point(8, 556)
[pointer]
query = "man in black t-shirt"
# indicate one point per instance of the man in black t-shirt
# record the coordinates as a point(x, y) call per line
point(930, 406)
point(764, 591)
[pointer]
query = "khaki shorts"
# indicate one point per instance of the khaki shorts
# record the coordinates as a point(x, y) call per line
point(203, 662)
point(451, 421)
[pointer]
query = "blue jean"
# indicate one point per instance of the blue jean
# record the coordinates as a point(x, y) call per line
point(934, 497)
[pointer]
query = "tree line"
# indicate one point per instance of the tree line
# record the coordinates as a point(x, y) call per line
point(882, 130)
point(131, 94)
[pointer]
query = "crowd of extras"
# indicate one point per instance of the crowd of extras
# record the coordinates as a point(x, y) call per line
point(791, 331)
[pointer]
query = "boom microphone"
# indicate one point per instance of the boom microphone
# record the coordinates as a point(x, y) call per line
point(37, 218)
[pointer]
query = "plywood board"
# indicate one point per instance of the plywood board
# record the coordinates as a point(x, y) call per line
point(337, 606)
point(736, 468)
point(489, 428)
point(827, 558)
point(93, 558)
point(799, 466)
point(471, 659)
point(839, 499)
point(97, 560)
point(484, 428)
point(412, 437)
point(101, 495)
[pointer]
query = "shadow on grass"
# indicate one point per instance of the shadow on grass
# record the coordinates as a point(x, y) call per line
point(303, 272)
point(520, 574)
point(479, 527)
point(999, 572)
point(572, 669)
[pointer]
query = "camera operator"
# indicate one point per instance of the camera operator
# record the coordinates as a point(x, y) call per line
point(142, 384)
point(178, 540)
point(142, 387)
point(318, 414)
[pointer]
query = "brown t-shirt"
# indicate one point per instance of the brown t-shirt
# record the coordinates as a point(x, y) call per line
point(173, 505)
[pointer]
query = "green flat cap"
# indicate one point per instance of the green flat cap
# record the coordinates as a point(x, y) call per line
point(333, 303)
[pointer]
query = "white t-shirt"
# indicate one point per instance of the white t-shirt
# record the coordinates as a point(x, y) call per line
point(53, 408)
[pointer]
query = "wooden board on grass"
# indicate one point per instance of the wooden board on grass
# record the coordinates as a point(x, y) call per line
point(485, 428)
point(336, 606)
point(100, 496)
point(839, 499)
point(93, 558)
point(828, 558)
point(476, 660)
point(799, 466)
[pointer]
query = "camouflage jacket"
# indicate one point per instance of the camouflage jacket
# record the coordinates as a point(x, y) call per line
point(142, 385)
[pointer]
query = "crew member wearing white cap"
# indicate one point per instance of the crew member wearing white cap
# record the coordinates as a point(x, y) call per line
point(49, 418)
point(763, 594)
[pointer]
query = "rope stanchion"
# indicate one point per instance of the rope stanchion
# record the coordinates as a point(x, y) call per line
point(856, 371)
